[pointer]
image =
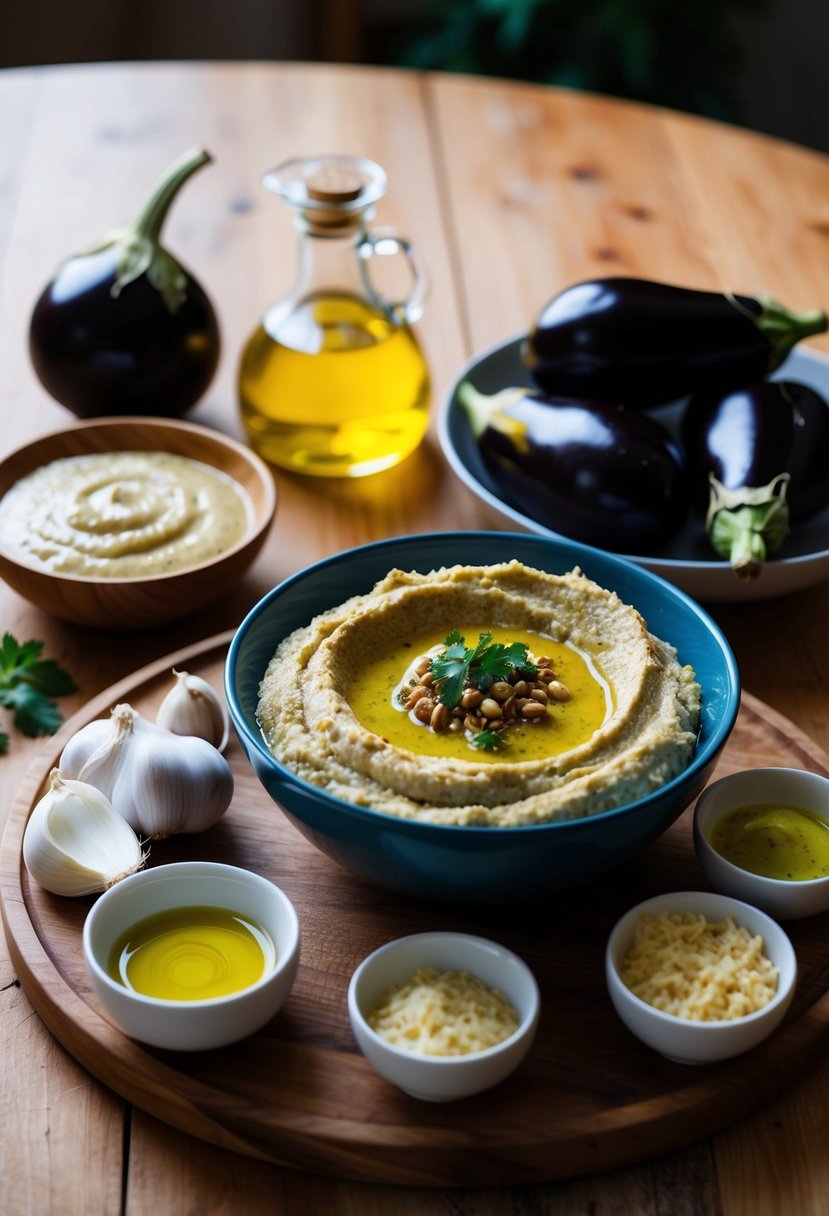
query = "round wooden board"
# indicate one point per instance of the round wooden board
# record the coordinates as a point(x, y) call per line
point(588, 1097)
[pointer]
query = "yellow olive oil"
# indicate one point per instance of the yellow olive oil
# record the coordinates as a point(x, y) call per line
point(567, 725)
point(784, 842)
point(336, 387)
point(191, 954)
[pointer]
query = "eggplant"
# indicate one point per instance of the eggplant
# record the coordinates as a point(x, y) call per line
point(760, 457)
point(123, 328)
point(638, 343)
point(591, 471)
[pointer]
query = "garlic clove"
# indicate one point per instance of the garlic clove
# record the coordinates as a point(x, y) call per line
point(98, 752)
point(185, 785)
point(101, 754)
point(75, 843)
point(193, 707)
point(160, 782)
point(83, 744)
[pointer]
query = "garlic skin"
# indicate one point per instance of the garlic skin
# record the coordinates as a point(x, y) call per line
point(193, 707)
point(161, 783)
point(76, 843)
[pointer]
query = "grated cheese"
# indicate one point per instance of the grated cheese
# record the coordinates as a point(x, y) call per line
point(443, 1014)
point(699, 970)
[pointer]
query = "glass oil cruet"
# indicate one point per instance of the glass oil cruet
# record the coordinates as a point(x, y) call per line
point(333, 382)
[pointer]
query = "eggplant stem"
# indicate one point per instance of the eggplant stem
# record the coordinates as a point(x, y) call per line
point(781, 327)
point(746, 524)
point(484, 411)
point(138, 248)
point(153, 213)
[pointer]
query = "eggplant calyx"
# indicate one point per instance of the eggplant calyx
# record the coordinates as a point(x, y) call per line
point(491, 411)
point(136, 255)
point(781, 327)
point(746, 524)
point(138, 248)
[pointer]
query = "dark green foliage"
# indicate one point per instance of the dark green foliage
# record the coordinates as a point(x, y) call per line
point(683, 55)
point(27, 685)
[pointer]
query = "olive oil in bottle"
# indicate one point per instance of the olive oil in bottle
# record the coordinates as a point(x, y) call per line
point(333, 382)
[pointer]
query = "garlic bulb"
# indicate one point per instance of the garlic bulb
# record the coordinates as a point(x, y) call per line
point(193, 707)
point(160, 782)
point(75, 843)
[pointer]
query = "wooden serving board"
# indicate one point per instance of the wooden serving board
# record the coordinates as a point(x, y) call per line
point(589, 1096)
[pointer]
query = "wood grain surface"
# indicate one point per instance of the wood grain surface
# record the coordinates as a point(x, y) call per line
point(511, 192)
point(299, 1093)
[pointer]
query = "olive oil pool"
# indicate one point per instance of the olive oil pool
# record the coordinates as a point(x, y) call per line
point(192, 954)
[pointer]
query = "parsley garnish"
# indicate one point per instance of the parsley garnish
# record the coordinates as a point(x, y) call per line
point(457, 666)
point(27, 685)
point(488, 740)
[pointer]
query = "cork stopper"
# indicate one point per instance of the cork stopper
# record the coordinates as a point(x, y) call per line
point(332, 194)
point(335, 183)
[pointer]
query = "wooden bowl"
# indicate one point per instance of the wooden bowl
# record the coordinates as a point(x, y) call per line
point(141, 602)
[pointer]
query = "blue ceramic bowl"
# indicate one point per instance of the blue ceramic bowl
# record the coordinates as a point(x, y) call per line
point(479, 863)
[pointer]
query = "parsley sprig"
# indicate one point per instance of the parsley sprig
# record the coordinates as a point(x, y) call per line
point(27, 685)
point(488, 740)
point(458, 666)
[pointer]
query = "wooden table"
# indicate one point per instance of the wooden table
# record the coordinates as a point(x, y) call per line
point(511, 192)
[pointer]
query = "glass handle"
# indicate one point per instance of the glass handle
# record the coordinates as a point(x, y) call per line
point(387, 243)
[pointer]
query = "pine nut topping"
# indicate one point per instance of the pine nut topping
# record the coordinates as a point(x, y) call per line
point(454, 694)
point(414, 696)
point(423, 710)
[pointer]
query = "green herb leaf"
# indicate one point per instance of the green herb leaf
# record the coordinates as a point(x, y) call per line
point(450, 669)
point(488, 740)
point(4, 742)
point(27, 684)
point(458, 666)
point(498, 662)
point(34, 712)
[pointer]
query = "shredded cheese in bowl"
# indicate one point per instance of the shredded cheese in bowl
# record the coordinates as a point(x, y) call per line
point(448, 1013)
point(703, 971)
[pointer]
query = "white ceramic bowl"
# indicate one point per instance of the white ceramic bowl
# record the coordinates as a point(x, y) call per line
point(200, 1024)
point(785, 899)
point(443, 1078)
point(677, 1038)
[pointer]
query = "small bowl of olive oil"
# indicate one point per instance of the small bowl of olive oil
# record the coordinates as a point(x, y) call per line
point(762, 835)
point(193, 955)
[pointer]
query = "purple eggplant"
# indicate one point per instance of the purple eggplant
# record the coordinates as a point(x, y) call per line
point(123, 328)
point(591, 471)
point(760, 455)
point(637, 343)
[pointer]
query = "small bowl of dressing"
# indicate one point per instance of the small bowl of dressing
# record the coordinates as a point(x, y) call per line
point(762, 835)
point(192, 955)
point(443, 1015)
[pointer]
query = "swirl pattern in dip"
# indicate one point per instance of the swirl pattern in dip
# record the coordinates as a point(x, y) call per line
point(122, 515)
